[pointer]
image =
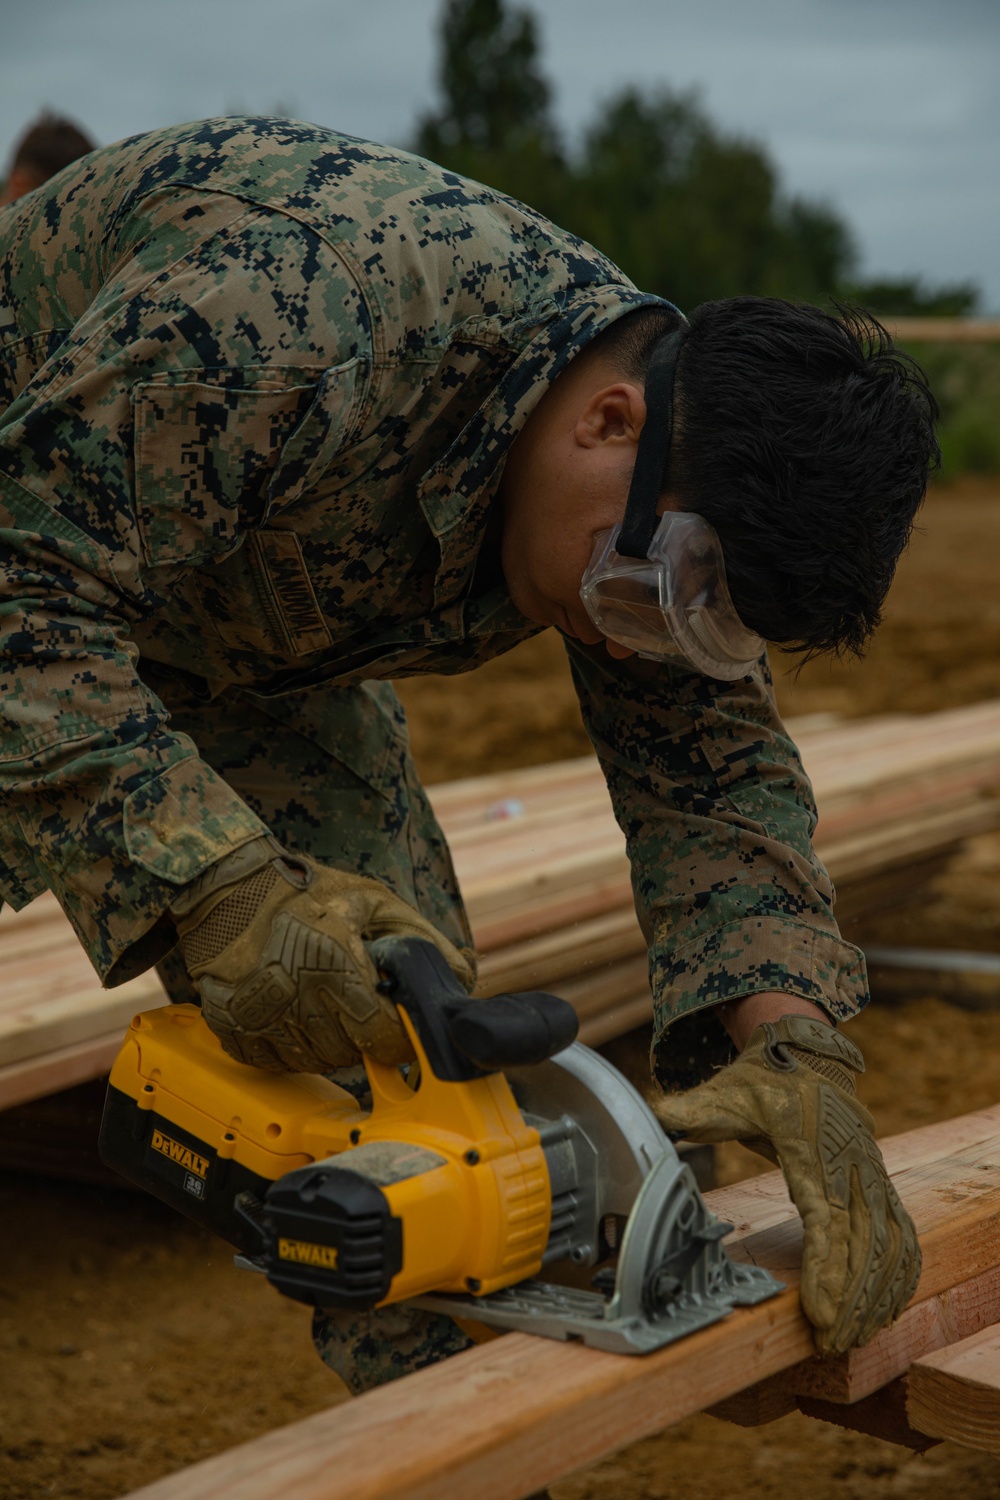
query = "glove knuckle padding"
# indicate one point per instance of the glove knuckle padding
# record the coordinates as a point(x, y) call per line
point(793, 1088)
point(377, 912)
point(285, 980)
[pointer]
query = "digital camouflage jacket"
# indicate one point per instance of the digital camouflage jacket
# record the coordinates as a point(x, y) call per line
point(257, 382)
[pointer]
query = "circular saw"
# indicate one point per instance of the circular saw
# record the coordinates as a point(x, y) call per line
point(481, 1181)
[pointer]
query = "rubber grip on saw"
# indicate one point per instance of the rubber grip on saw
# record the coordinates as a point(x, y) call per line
point(465, 1038)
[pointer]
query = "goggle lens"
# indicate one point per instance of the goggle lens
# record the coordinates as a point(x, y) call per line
point(673, 605)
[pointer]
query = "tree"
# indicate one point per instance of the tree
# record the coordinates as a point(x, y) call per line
point(687, 211)
point(691, 213)
point(494, 123)
point(909, 298)
point(495, 99)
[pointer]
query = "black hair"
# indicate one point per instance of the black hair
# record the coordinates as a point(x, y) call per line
point(629, 341)
point(806, 439)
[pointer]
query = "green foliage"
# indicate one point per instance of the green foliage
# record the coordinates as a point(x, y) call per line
point(911, 299)
point(965, 378)
point(688, 211)
point(691, 213)
point(496, 101)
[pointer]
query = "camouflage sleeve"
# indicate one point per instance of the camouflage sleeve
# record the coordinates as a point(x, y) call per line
point(719, 816)
point(190, 336)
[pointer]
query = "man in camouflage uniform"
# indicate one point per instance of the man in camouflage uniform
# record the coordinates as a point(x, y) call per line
point(286, 415)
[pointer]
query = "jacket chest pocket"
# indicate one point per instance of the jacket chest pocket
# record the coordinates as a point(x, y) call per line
point(216, 451)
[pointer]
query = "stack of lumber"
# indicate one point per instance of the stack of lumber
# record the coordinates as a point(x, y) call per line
point(58, 1027)
point(543, 867)
point(549, 892)
point(505, 1418)
point(954, 1392)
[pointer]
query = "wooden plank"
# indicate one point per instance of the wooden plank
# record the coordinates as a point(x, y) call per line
point(573, 950)
point(535, 897)
point(626, 1015)
point(53, 935)
point(74, 1009)
point(59, 1069)
point(895, 803)
point(880, 751)
point(496, 1422)
point(901, 771)
point(550, 895)
point(955, 1201)
point(595, 994)
point(823, 744)
point(75, 1013)
point(473, 797)
point(505, 1418)
point(850, 797)
point(589, 803)
point(846, 1379)
point(883, 1415)
point(955, 1392)
point(761, 1202)
point(873, 853)
point(530, 871)
point(954, 1313)
point(541, 905)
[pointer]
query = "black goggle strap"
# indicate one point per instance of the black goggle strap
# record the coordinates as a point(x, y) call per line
point(653, 450)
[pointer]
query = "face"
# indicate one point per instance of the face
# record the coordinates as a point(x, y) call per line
point(565, 481)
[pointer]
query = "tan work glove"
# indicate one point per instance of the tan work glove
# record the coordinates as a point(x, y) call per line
point(276, 946)
point(790, 1095)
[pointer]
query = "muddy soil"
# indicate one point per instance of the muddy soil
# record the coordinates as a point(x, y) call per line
point(129, 1347)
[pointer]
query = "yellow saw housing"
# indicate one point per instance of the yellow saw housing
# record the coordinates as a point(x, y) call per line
point(439, 1187)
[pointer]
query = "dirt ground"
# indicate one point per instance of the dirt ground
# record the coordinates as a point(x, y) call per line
point(130, 1347)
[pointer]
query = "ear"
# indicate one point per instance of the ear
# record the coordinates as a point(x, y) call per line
point(615, 414)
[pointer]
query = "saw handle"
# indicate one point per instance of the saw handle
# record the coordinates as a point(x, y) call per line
point(464, 1038)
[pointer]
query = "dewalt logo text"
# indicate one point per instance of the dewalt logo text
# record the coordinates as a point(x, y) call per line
point(308, 1254)
point(182, 1155)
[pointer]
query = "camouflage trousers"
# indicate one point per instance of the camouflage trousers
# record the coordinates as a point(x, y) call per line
point(368, 1349)
point(331, 775)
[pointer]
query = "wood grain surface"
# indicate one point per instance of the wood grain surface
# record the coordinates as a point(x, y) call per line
point(505, 1418)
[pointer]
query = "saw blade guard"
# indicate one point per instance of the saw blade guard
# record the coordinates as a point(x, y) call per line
point(673, 1275)
point(601, 1141)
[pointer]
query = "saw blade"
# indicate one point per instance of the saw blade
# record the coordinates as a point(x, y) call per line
point(624, 1133)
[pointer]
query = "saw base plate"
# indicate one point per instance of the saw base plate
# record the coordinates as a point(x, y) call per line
point(673, 1278)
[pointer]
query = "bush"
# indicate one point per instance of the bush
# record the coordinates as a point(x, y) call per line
point(965, 378)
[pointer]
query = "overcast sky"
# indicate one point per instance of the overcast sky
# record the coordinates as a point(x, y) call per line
point(888, 110)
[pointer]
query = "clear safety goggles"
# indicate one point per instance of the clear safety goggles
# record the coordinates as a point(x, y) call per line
point(673, 604)
point(657, 584)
